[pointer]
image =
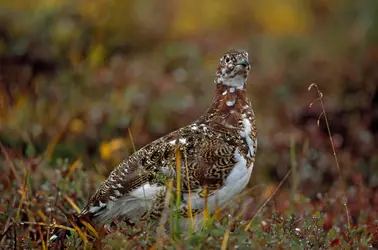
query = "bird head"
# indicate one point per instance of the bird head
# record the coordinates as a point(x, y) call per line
point(233, 69)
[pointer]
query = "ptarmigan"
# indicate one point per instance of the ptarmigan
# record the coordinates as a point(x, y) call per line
point(217, 152)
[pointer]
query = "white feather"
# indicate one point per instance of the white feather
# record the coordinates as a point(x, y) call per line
point(132, 205)
point(237, 81)
point(146, 191)
point(94, 209)
point(182, 140)
point(246, 134)
point(230, 103)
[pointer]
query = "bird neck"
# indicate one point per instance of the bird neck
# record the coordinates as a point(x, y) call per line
point(229, 107)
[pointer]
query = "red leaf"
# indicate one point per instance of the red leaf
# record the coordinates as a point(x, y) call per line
point(335, 242)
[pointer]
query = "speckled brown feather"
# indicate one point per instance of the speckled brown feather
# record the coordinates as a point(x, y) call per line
point(208, 146)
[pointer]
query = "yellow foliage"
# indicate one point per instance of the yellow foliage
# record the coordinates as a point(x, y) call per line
point(51, 3)
point(276, 17)
point(3, 106)
point(95, 10)
point(76, 126)
point(96, 55)
point(192, 16)
point(22, 5)
point(107, 149)
point(17, 4)
point(279, 17)
point(19, 110)
point(107, 15)
point(268, 190)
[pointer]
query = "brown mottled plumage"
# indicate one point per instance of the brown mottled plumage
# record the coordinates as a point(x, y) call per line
point(218, 152)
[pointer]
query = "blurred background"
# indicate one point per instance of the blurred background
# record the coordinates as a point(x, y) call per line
point(76, 76)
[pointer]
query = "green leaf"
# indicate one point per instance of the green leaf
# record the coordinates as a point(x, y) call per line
point(30, 150)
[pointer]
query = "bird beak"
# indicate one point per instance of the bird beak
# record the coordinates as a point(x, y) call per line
point(244, 63)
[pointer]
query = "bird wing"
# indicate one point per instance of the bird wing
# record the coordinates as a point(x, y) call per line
point(207, 157)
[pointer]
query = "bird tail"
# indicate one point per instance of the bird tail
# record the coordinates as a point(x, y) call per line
point(80, 225)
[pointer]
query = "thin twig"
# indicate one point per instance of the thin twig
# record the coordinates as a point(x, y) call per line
point(11, 165)
point(243, 194)
point(41, 237)
point(131, 139)
point(47, 225)
point(345, 199)
point(164, 218)
point(225, 239)
point(266, 201)
point(50, 216)
point(294, 175)
point(206, 208)
point(23, 194)
point(72, 203)
point(55, 140)
point(134, 150)
point(15, 237)
point(8, 225)
point(190, 210)
point(178, 190)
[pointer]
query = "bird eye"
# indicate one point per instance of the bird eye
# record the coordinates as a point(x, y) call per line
point(227, 60)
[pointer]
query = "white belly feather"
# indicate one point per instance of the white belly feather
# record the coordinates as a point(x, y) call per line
point(132, 205)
